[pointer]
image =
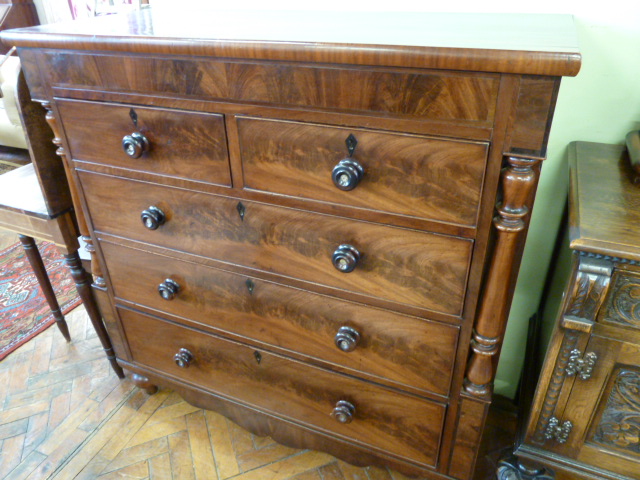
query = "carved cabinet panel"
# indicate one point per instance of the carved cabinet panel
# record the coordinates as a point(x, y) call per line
point(585, 418)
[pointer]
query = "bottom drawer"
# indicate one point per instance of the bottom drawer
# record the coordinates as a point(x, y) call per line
point(402, 425)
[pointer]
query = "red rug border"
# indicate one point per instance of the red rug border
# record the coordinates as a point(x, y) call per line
point(46, 322)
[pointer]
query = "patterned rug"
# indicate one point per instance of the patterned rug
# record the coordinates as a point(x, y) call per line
point(24, 312)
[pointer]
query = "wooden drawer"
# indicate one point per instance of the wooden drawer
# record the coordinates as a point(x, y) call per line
point(403, 174)
point(403, 425)
point(459, 97)
point(405, 266)
point(181, 144)
point(404, 350)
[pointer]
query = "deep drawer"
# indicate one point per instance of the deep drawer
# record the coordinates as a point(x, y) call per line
point(182, 144)
point(402, 349)
point(405, 266)
point(403, 174)
point(403, 425)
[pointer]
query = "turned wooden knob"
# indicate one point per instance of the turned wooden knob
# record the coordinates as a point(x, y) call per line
point(152, 217)
point(183, 358)
point(347, 174)
point(344, 411)
point(135, 144)
point(168, 289)
point(347, 339)
point(345, 258)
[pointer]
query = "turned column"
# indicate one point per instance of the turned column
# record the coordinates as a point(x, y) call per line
point(80, 276)
point(37, 265)
point(518, 181)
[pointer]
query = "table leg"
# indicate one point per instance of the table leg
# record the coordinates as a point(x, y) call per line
point(83, 285)
point(35, 260)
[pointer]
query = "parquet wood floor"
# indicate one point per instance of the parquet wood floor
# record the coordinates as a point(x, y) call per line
point(65, 415)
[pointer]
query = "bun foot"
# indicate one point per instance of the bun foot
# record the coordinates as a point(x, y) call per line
point(144, 383)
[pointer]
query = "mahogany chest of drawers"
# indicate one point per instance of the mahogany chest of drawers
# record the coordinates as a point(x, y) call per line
point(586, 414)
point(296, 225)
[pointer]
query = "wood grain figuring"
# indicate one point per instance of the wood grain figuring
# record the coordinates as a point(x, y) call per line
point(398, 265)
point(406, 426)
point(409, 175)
point(607, 202)
point(428, 95)
point(252, 269)
point(471, 417)
point(182, 144)
point(535, 99)
point(406, 350)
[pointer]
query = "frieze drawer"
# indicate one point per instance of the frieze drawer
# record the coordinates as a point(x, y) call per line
point(403, 425)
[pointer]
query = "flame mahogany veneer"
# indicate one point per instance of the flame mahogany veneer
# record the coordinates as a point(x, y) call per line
point(314, 231)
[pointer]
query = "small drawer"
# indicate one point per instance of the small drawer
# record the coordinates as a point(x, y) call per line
point(408, 175)
point(172, 143)
point(401, 349)
point(403, 425)
point(405, 266)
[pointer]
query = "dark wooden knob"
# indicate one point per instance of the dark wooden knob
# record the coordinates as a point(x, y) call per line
point(183, 358)
point(344, 411)
point(347, 339)
point(168, 289)
point(347, 174)
point(345, 258)
point(152, 217)
point(135, 144)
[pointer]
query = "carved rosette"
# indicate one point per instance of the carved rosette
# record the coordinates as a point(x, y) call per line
point(98, 279)
point(518, 181)
point(623, 308)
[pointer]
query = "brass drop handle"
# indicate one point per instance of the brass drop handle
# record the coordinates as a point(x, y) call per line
point(345, 258)
point(168, 289)
point(344, 411)
point(183, 358)
point(135, 144)
point(347, 339)
point(347, 174)
point(153, 217)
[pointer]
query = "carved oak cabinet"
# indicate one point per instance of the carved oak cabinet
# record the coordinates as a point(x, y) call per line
point(586, 414)
point(293, 216)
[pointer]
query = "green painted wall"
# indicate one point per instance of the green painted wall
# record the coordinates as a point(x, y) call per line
point(601, 104)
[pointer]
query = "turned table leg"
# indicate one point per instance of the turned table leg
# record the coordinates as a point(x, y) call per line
point(35, 260)
point(83, 285)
